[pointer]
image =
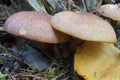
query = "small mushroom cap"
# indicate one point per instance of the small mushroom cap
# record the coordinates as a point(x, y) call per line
point(35, 26)
point(110, 10)
point(84, 26)
point(97, 61)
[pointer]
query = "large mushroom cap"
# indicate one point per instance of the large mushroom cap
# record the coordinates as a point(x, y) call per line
point(84, 25)
point(34, 25)
point(110, 10)
point(97, 61)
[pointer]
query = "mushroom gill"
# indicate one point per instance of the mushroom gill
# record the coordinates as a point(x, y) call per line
point(97, 61)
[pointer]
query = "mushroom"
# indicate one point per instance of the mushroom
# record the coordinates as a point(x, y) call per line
point(35, 26)
point(97, 61)
point(110, 10)
point(83, 25)
point(97, 58)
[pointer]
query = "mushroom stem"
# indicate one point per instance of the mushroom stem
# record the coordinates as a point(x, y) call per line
point(118, 58)
point(45, 48)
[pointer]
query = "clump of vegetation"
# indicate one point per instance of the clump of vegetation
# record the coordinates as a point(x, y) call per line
point(3, 76)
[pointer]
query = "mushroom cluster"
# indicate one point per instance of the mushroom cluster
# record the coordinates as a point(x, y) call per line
point(96, 59)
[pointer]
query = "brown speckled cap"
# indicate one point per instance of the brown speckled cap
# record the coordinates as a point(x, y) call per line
point(35, 26)
point(84, 26)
